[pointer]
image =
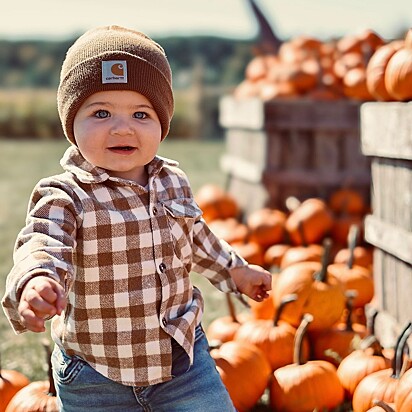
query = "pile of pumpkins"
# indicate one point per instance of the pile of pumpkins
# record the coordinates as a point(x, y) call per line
point(311, 344)
point(18, 394)
point(362, 67)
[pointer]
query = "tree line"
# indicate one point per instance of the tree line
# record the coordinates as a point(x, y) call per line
point(37, 63)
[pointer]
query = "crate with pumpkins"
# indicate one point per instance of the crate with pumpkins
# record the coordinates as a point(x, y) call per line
point(319, 191)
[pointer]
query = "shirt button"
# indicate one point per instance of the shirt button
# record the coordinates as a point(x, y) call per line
point(162, 267)
point(164, 321)
point(154, 211)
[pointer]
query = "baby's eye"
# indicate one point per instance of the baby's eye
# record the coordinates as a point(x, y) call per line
point(102, 114)
point(140, 115)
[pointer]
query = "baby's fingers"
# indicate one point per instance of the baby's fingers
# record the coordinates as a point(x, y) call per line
point(262, 277)
point(30, 320)
point(55, 296)
point(38, 301)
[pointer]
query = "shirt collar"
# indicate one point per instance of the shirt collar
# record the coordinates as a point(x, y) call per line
point(73, 162)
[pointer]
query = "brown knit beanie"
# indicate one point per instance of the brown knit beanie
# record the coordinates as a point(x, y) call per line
point(114, 58)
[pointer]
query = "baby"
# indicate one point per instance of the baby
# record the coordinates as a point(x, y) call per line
point(109, 244)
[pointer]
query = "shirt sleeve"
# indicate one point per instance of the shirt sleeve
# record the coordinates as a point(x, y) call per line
point(213, 257)
point(44, 246)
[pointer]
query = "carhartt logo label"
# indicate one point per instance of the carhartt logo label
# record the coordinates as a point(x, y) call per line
point(114, 71)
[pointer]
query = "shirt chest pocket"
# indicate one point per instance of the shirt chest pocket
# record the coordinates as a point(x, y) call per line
point(181, 216)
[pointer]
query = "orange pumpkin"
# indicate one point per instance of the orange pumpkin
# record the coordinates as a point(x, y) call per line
point(216, 203)
point(382, 384)
point(375, 70)
point(273, 255)
point(251, 251)
point(335, 343)
point(39, 396)
point(34, 397)
point(398, 73)
point(346, 62)
point(360, 363)
point(356, 278)
point(295, 254)
point(342, 225)
point(305, 386)
point(371, 41)
point(270, 90)
point(273, 337)
point(319, 293)
point(244, 370)
point(298, 49)
point(11, 381)
point(365, 42)
point(223, 329)
point(403, 393)
point(354, 84)
point(259, 66)
point(346, 200)
point(266, 226)
point(309, 222)
point(230, 229)
point(361, 256)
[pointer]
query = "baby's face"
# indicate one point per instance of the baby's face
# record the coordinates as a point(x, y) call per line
point(118, 131)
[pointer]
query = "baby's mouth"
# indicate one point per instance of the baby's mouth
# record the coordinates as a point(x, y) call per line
point(122, 148)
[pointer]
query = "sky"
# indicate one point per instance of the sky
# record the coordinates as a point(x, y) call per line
point(48, 19)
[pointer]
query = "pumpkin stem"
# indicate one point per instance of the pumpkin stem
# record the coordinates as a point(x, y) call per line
point(292, 203)
point(371, 320)
point(382, 405)
point(397, 360)
point(321, 276)
point(52, 388)
point(231, 308)
point(352, 242)
point(350, 296)
point(298, 341)
point(285, 300)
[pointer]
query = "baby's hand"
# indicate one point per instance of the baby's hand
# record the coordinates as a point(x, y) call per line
point(253, 281)
point(41, 298)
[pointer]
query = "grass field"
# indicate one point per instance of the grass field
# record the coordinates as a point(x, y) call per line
point(22, 164)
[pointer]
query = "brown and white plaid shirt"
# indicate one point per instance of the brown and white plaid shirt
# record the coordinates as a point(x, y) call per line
point(124, 254)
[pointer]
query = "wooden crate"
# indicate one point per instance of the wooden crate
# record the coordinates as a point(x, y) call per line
point(386, 137)
point(295, 148)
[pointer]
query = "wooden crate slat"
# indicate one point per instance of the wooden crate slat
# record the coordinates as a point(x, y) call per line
point(327, 152)
point(241, 113)
point(386, 137)
point(312, 115)
point(315, 178)
point(300, 148)
point(249, 145)
point(388, 237)
point(383, 124)
point(242, 169)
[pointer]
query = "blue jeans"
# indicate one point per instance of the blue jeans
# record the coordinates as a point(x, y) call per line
point(200, 389)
